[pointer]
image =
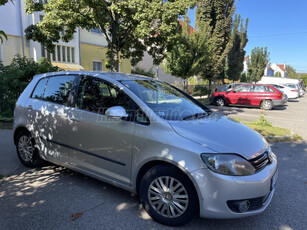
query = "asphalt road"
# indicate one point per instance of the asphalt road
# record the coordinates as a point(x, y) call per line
point(292, 116)
point(46, 198)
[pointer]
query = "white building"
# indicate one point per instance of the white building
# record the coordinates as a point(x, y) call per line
point(14, 20)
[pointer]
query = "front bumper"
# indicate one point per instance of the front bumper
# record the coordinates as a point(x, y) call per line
point(215, 190)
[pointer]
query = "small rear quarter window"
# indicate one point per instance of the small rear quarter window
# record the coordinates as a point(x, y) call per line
point(39, 89)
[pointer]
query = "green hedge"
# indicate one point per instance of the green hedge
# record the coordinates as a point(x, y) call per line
point(15, 77)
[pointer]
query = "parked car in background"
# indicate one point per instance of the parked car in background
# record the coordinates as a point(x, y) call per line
point(290, 92)
point(147, 137)
point(296, 87)
point(259, 95)
point(228, 87)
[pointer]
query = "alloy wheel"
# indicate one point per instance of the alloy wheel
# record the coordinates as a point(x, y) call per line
point(168, 197)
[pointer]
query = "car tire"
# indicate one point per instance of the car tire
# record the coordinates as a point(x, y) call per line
point(168, 196)
point(267, 104)
point(26, 150)
point(219, 101)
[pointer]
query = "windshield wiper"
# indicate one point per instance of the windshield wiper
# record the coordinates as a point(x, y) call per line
point(196, 116)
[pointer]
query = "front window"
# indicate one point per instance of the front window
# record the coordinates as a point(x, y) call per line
point(242, 88)
point(165, 100)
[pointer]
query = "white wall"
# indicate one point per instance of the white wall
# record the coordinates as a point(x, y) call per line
point(9, 18)
point(92, 38)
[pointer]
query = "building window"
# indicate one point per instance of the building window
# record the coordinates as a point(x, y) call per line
point(43, 51)
point(41, 17)
point(96, 30)
point(97, 65)
point(64, 53)
point(72, 54)
point(53, 55)
point(59, 52)
point(68, 54)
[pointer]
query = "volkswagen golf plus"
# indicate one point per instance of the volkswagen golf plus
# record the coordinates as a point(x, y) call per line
point(148, 137)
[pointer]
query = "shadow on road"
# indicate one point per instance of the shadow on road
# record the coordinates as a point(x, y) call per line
point(47, 198)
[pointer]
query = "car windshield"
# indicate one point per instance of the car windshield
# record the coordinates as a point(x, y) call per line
point(165, 100)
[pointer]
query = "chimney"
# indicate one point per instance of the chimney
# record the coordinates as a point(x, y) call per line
point(285, 66)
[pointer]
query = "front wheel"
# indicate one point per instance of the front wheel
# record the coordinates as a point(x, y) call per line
point(219, 101)
point(26, 150)
point(168, 196)
point(267, 104)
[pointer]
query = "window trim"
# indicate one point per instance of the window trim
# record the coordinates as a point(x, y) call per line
point(70, 96)
point(76, 88)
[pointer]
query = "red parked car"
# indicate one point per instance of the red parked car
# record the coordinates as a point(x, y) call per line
point(264, 96)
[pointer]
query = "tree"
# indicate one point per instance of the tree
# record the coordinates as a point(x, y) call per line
point(277, 74)
point(291, 72)
point(130, 27)
point(257, 62)
point(236, 55)
point(15, 77)
point(2, 33)
point(216, 17)
point(190, 53)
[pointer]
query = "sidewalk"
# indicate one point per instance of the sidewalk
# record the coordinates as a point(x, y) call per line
point(8, 156)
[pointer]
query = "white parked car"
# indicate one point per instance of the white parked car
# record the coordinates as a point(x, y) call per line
point(296, 87)
point(290, 92)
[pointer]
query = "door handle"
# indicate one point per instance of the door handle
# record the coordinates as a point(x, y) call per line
point(244, 94)
point(73, 119)
point(30, 108)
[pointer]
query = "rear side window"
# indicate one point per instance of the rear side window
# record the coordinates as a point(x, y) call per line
point(58, 89)
point(39, 89)
point(268, 89)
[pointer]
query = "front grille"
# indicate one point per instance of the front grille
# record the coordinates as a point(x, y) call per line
point(261, 161)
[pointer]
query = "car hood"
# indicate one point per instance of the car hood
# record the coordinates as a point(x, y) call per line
point(222, 134)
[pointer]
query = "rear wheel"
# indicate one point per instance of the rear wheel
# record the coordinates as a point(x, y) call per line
point(219, 101)
point(267, 104)
point(26, 150)
point(168, 196)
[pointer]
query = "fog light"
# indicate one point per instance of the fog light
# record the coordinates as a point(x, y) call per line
point(244, 206)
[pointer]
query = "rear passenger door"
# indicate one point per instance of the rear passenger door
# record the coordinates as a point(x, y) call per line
point(47, 117)
point(99, 145)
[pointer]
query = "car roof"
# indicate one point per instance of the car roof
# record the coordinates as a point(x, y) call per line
point(102, 74)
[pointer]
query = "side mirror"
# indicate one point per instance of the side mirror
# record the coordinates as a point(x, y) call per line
point(116, 112)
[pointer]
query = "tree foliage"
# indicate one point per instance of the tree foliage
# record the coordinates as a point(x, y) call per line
point(291, 72)
point(236, 55)
point(257, 62)
point(277, 74)
point(216, 17)
point(190, 53)
point(15, 77)
point(130, 27)
point(144, 72)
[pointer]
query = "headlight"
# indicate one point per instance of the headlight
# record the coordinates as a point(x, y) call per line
point(228, 164)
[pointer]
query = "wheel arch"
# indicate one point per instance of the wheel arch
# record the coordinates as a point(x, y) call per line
point(147, 166)
point(18, 130)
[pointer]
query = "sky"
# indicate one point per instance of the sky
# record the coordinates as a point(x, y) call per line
point(280, 25)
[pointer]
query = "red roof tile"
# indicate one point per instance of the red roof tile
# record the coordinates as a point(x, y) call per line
point(191, 30)
point(282, 67)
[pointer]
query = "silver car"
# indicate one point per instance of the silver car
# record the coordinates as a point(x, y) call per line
point(147, 137)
